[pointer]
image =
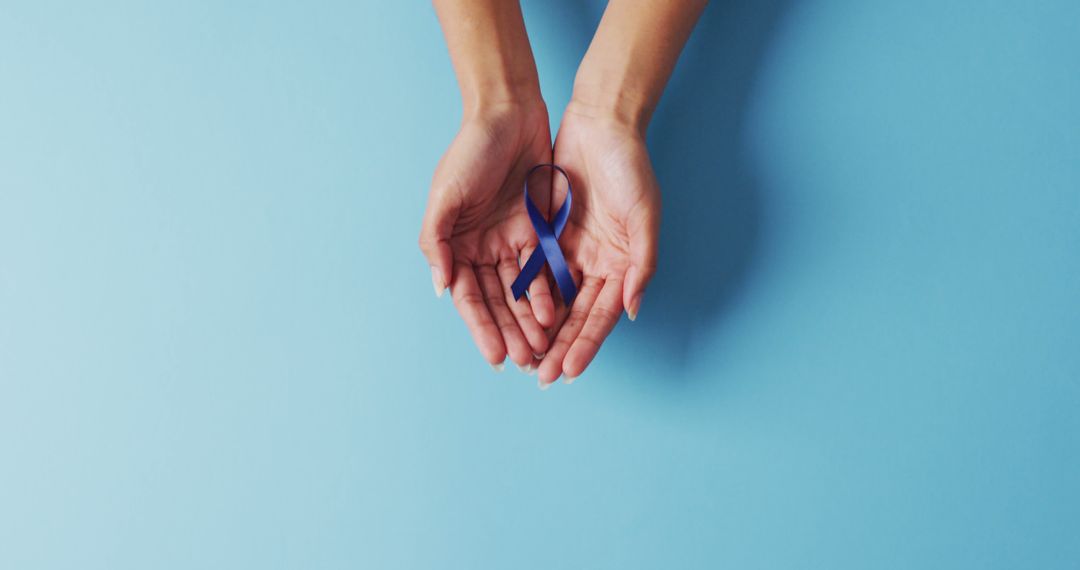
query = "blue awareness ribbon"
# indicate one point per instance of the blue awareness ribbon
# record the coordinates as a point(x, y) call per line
point(549, 251)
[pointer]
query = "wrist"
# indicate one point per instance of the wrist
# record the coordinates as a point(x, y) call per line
point(516, 116)
point(482, 97)
point(608, 90)
point(616, 108)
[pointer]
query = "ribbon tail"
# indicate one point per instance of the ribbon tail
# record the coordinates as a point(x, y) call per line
point(529, 272)
point(559, 269)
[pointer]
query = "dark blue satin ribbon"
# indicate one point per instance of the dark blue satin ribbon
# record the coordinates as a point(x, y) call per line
point(549, 251)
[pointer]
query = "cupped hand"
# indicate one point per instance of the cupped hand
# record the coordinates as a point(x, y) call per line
point(610, 239)
point(476, 228)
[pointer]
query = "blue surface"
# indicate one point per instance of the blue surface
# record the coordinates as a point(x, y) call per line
point(219, 346)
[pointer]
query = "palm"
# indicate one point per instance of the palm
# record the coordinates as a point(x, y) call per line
point(490, 220)
point(476, 228)
point(610, 237)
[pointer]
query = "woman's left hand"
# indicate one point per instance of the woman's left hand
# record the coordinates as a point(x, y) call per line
point(610, 239)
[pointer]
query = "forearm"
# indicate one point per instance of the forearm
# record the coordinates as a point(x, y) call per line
point(490, 51)
point(631, 58)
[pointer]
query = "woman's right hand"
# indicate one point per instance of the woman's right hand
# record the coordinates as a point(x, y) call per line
point(476, 229)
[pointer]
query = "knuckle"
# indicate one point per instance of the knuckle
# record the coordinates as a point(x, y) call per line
point(589, 339)
point(508, 328)
point(471, 299)
point(605, 314)
point(424, 242)
point(574, 321)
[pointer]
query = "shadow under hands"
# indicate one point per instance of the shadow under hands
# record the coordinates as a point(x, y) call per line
point(712, 205)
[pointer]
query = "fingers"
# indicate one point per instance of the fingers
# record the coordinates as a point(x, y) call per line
point(603, 317)
point(434, 235)
point(495, 298)
point(551, 367)
point(469, 300)
point(543, 305)
point(644, 234)
point(522, 309)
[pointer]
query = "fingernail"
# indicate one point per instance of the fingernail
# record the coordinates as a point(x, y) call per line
point(437, 282)
point(499, 367)
point(634, 306)
point(569, 379)
point(539, 356)
point(527, 369)
point(543, 385)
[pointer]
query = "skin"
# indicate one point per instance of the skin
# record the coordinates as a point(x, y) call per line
point(476, 232)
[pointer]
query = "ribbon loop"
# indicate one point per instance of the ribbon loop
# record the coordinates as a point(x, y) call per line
point(549, 251)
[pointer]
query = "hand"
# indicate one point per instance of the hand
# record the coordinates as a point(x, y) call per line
point(610, 239)
point(476, 228)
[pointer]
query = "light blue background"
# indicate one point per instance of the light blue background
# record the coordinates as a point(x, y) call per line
point(219, 346)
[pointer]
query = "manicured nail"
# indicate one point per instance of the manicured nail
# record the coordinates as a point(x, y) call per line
point(634, 306)
point(543, 385)
point(437, 281)
point(527, 369)
point(569, 379)
point(499, 367)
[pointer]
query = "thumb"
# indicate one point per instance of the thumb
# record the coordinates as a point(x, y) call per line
point(644, 231)
point(435, 232)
